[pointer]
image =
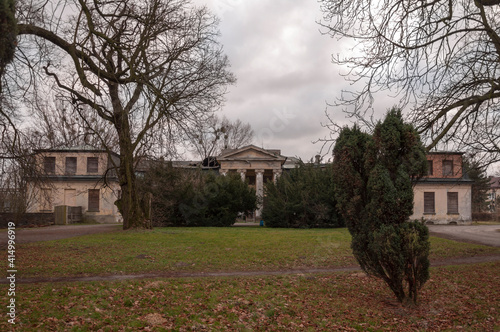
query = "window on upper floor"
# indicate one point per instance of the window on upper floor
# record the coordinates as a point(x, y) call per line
point(70, 165)
point(430, 167)
point(92, 164)
point(49, 165)
point(447, 167)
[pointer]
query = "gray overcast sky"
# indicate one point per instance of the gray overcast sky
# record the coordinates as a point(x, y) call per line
point(285, 75)
point(284, 72)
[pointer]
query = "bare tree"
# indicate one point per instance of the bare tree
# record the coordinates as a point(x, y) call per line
point(8, 33)
point(440, 57)
point(146, 67)
point(238, 134)
point(60, 125)
point(208, 138)
point(18, 170)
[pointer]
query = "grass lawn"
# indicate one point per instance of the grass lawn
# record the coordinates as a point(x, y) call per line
point(204, 249)
point(455, 298)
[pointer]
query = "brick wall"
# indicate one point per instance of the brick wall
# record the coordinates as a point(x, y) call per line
point(437, 164)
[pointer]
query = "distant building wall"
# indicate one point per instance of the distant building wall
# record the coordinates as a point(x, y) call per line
point(441, 214)
point(445, 195)
point(441, 161)
point(76, 177)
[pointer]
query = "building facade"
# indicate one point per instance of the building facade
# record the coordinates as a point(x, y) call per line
point(84, 177)
point(444, 195)
point(77, 177)
point(255, 165)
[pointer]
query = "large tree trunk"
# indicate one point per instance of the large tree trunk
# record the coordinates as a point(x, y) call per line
point(131, 204)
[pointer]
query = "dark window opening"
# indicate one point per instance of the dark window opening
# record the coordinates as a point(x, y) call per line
point(70, 165)
point(92, 164)
point(49, 165)
point(429, 202)
point(447, 168)
point(453, 203)
point(94, 200)
point(430, 167)
point(251, 179)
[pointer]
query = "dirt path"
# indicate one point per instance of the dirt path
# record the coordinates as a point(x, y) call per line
point(305, 271)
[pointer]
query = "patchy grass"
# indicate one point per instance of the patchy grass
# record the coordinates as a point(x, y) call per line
point(491, 222)
point(455, 298)
point(204, 249)
point(444, 249)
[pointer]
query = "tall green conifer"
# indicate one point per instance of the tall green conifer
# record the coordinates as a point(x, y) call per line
point(374, 176)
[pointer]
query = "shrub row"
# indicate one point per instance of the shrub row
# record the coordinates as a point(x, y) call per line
point(195, 197)
point(302, 198)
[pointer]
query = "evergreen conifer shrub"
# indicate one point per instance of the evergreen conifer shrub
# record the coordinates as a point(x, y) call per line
point(184, 197)
point(373, 185)
point(302, 198)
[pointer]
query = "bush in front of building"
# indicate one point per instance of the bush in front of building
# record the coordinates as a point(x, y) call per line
point(302, 198)
point(219, 201)
point(192, 197)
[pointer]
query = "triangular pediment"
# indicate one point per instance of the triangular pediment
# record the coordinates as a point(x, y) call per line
point(250, 152)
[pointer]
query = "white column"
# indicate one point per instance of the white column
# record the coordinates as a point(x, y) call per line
point(276, 174)
point(243, 174)
point(259, 188)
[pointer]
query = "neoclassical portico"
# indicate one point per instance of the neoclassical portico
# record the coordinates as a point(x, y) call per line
point(254, 164)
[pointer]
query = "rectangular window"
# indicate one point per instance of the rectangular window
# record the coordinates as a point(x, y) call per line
point(429, 206)
point(49, 165)
point(447, 167)
point(70, 165)
point(94, 200)
point(92, 164)
point(430, 167)
point(453, 203)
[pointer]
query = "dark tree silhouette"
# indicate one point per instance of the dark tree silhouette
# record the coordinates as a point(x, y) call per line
point(440, 57)
point(145, 67)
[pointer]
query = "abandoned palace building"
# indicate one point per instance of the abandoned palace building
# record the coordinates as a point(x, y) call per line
point(83, 177)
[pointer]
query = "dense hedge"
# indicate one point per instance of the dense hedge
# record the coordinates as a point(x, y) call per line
point(183, 197)
point(302, 198)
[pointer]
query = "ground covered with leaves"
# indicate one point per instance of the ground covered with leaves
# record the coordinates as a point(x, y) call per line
point(456, 298)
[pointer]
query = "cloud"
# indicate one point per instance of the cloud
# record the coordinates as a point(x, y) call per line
point(283, 66)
